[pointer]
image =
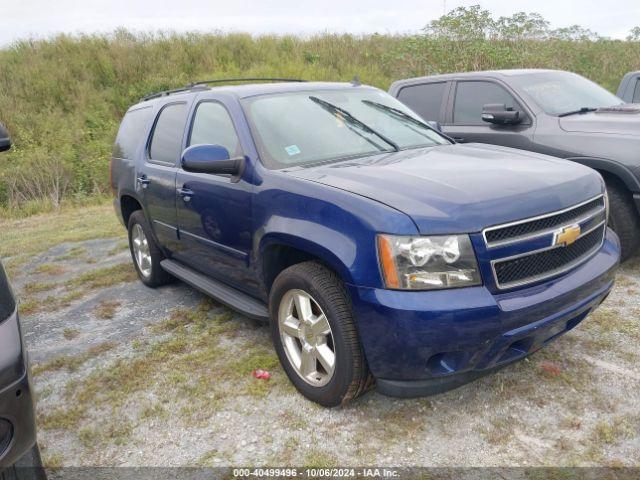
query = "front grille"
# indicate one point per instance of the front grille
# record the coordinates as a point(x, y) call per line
point(546, 263)
point(548, 222)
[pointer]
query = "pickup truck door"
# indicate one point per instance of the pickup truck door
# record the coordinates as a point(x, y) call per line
point(464, 115)
point(214, 211)
point(156, 177)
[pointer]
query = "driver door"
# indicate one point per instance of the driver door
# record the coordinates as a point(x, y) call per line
point(214, 210)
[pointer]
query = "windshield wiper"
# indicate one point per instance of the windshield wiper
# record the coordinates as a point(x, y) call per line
point(578, 111)
point(351, 120)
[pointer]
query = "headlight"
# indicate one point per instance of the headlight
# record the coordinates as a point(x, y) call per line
point(427, 263)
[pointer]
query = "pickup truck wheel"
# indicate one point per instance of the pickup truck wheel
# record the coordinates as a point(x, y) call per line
point(145, 253)
point(314, 334)
point(623, 218)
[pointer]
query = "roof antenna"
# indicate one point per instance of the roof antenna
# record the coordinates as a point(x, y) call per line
point(356, 81)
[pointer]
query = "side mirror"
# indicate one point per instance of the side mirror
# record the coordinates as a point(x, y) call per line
point(435, 125)
point(5, 141)
point(499, 114)
point(210, 159)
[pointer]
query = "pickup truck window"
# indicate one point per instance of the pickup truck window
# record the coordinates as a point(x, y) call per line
point(562, 92)
point(426, 99)
point(166, 140)
point(131, 131)
point(636, 93)
point(472, 96)
point(346, 124)
point(212, 125)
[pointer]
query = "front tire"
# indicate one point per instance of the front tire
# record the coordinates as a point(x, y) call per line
point(145, 253)
point(315, 336)
point(623, 218)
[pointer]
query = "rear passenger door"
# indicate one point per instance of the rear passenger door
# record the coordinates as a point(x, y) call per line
point(426, 99)
point(464, 115)
point(156, 178)
point(214, 210)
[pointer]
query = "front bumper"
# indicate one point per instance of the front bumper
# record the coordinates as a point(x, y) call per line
point(420, 343)
point(16, 400)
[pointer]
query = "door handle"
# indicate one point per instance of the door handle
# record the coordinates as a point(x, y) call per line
point(185, 193)
point(143, 181)
point(459, 139)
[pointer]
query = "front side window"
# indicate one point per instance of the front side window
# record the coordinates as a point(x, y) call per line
point(471, 97)
point(303, 128)
point(636, 94)
point(212, 125)
point(166, 142)
point(424, 99)
point(562, 92)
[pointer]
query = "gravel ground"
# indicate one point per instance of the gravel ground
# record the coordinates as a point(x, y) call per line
point(130, 376)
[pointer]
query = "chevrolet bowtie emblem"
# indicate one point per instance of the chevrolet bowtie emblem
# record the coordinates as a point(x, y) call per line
point(567, 235)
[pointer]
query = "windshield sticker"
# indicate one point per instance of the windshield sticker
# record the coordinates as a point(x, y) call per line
point(292, 150)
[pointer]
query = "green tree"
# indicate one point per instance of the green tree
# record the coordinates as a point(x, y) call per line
point(522, 26)
point(634, 35)
point(463, 23)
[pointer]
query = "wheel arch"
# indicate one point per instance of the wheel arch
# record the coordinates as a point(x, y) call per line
point(128, 205)
point(278, 251)
point(611, 168)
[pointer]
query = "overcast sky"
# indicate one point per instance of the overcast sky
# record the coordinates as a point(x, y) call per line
point(41, 18)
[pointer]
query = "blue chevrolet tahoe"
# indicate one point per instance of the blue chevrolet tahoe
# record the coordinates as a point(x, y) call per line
point(381, 252)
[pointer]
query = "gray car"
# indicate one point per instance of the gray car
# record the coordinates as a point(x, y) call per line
point(547, 111)
point(629, 89)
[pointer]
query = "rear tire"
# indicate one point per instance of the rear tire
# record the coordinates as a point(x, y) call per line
point(350, 375)
point(146, 255)
point(623, 218)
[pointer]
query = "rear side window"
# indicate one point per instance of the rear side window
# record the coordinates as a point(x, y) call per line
point(166, 141)
point(7, 302)
point(472, 96)
point(212, 125)
point(636, 93)
point(424, 99)
point(131, 132)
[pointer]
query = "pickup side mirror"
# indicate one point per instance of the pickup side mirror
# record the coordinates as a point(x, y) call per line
point(499, 114)
point(211, 159)
point(5, 141)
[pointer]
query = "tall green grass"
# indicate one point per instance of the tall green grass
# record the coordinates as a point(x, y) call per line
point(62, 98)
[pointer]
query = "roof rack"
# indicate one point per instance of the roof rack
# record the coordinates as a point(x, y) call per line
point(203, 83)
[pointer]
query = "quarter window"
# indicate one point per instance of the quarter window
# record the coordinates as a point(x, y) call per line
point(131, 132)
point(424, 99)
point(472, 96)
point(166, 143)
point(212, 125)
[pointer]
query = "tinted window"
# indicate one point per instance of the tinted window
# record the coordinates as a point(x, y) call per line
point(212, 124)
point(7, 303)
point(131, 132)
point(636, 94)
point(472, 96)
point(425, 100)
point(166, 144)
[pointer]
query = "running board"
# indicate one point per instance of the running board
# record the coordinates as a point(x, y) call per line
point(225, 294)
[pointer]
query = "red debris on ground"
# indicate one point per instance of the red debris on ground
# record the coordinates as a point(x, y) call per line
point(551, 368)
point(261, 374)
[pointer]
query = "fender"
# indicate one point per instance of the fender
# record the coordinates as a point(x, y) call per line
point(614, 168)
point(333, 248)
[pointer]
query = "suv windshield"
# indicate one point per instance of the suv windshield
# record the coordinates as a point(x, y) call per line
point(564, 92)
point(321, 126)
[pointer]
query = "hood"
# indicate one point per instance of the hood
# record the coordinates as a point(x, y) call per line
point(621, 121)
point(462, 188)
